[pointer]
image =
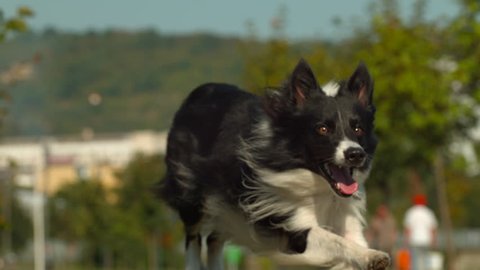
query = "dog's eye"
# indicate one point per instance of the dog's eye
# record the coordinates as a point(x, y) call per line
point(358, 131)
point(323, 130)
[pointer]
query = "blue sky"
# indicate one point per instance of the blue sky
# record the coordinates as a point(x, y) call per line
point(305, 18)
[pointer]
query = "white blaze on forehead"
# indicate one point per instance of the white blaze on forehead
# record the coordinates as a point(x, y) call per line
point(331, 89)
point(341, 148)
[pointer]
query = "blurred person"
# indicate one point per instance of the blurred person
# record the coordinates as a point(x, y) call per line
point(382, 231)
point(420, 226)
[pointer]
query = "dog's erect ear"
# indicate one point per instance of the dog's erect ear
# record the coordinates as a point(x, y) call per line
point(360, 85)
point(293, 94)
point(302, 82)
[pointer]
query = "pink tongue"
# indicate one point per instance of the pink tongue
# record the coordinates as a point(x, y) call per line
point(345, 183)
point(348, 189)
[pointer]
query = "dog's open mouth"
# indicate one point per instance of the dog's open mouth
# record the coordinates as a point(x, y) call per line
point(340, 178)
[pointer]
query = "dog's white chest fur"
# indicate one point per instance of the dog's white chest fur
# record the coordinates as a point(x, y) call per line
point(298, 191)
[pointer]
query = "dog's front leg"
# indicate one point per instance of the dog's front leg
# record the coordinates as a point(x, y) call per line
point(326, 249)
point(215, 252)
point(354, 231)
point(193, 260)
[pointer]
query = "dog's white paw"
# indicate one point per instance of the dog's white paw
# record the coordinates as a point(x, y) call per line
point(377, 260)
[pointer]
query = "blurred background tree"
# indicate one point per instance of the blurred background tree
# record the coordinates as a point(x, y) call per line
point(80, 213)
point(14, 24)
point(137, 199)
point(122, 227)
point(15, 223)
point(14, 73)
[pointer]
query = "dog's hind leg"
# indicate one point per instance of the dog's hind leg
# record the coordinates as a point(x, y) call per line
point(193, 246)
point(190, 213)
point(215, 251)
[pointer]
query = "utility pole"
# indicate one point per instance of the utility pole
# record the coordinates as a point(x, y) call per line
point(7, 210)
point(39, 210)
point(38, 231)
point(446, 221)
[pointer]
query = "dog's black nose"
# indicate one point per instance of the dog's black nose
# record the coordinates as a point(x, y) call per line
point(355, 156)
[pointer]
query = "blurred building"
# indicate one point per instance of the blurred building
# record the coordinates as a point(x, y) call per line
point(48, 163)
point(38, 167)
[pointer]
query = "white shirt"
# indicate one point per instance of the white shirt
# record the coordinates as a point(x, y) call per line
point(420, 221)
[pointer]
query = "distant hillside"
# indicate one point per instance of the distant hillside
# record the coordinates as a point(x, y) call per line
point(111, 81)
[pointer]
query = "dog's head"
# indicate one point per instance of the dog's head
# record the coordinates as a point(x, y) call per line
point(328, 129)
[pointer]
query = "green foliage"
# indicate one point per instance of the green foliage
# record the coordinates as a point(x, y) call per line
point(137, 200)
point(463, 45)
point(127, 226)
point(427, 91)
point(460, 190)
point(268, 64)
point(93, 212)
point(10, 25)
point(15, 24)
point(15, 220)
point(21, 226)
point(413, 91)
point(18, 226)
point(417, 113)
point(142, 174)
point(81, 212)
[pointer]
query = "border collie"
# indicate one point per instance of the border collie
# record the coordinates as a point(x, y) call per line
point(281, 174)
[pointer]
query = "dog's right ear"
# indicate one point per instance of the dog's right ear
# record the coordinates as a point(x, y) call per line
point(302, 82)
point(294, 92)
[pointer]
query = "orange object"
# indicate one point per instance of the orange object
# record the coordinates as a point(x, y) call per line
point(403, 259)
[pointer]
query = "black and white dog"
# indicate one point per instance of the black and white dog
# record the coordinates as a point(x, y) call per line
point(281, 175)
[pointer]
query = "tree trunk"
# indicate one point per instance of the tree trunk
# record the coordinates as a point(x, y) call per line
point(446, 222)
point(153, 251)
